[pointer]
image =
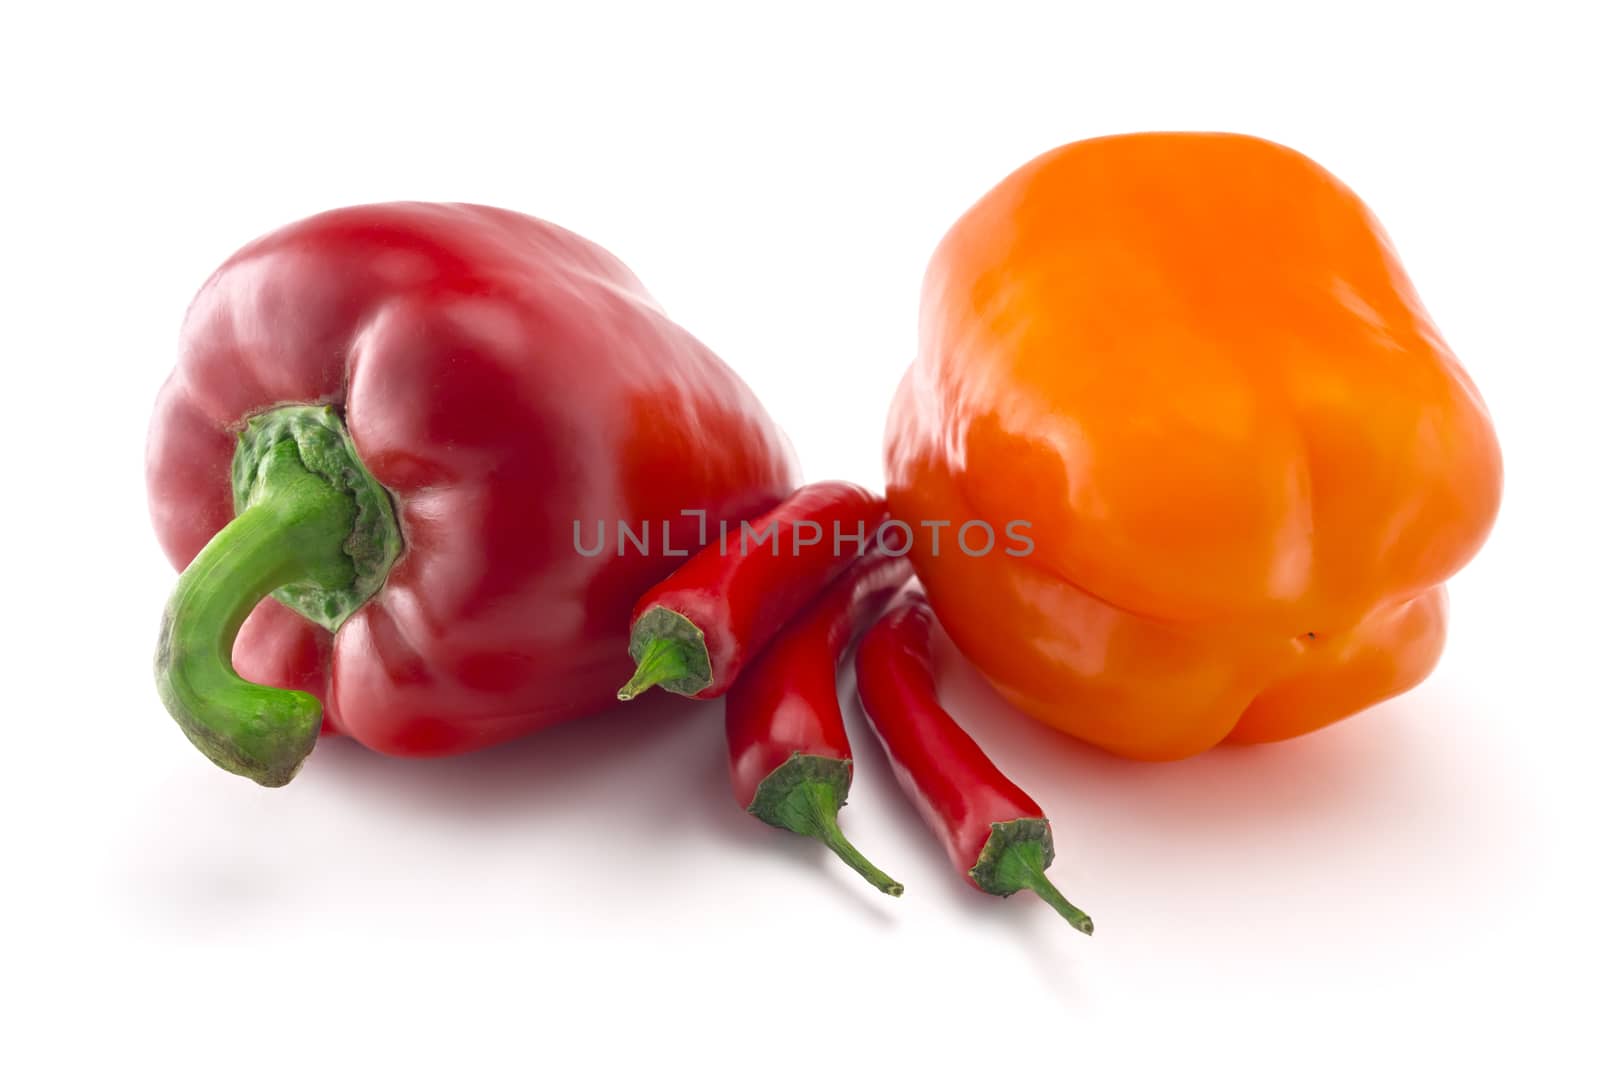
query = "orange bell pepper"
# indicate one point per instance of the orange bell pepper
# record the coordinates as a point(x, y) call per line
point(1193, 364)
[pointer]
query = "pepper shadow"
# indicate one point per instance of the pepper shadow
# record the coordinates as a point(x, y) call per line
point(1400, 822)
point(1053, 948)
point(650, 775)
point(631, 758)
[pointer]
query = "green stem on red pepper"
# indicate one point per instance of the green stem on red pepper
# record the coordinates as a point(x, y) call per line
point(804, 796)
point(1014, 859)
point(311, 527)
point(671, 653)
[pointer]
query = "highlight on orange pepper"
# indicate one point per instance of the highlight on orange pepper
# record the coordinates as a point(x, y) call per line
point(1248, 460)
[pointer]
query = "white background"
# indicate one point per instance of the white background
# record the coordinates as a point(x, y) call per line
point(1418, 882)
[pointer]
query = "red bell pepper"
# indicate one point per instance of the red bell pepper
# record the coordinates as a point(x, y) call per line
point(418, 404)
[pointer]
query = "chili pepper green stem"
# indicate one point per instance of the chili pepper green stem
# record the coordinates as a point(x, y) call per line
point(1027, 863)
point(815, 813)
point(804, 796)
point(670, 651)
point(664, 660)
point(1014, 859)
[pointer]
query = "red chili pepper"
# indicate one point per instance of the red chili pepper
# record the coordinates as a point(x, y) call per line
point(418, 402)
point(694, 632)
point(994, 832)
point(787, 747)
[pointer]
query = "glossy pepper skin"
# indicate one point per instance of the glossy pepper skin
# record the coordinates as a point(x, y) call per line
point(693, 632)
point(1194, 364)
point(502, 379)
point(788, 752)
point(996, 835)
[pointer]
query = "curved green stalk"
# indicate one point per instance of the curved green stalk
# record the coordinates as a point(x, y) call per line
point(314, 528)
